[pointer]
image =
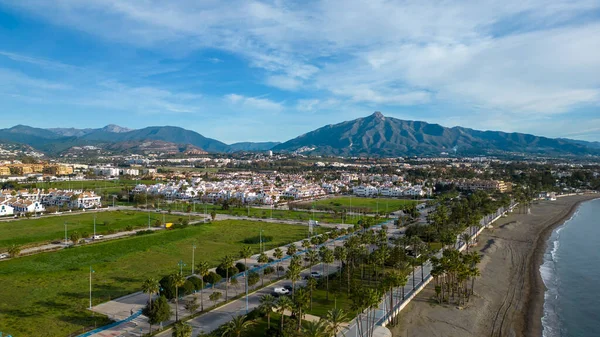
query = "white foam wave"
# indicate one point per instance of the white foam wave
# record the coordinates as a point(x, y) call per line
point(550, 320)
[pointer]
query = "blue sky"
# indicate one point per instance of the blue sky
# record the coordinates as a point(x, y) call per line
point(272, 70)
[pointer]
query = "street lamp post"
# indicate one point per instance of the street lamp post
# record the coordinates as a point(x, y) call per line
point(66, 242)
point(94, 226)
point(91, 271)
point(181, 265)
point(193, 255)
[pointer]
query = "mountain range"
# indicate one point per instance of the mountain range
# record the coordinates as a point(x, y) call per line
point(374, 135)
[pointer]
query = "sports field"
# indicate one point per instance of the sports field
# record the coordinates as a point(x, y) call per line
point(28, 232)
point(47, 294)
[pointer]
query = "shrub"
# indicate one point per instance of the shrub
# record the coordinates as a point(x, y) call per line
point(232, 271)
point(240, 267)
point(144, 232)
point(212, 278)
point(253, 278)
point(188, 288)
point(129, 228)
point(196, 281)
point(168, 290)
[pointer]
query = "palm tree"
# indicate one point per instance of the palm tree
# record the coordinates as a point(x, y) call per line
point(151, 286)
point(245, 253)
point(327, 259)
point(267, 304)
point(293, 274)
point(466, 239)
point(301, 301)
point(313, 257)
point(226, 263)
point(262, 259)
point(178, 280)
point(291, 249)
point(237, 326)
point(335, 318)
point(202, 269)
point(315, 329)
point(278, 255)
point(182, 330)
point(284, 304)
point(311, 285)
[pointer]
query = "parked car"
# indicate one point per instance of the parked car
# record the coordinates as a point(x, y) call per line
point(4, 256)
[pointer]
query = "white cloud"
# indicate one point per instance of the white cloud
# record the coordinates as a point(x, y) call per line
point(526, 58)
point(253, 103)
point(283, 82)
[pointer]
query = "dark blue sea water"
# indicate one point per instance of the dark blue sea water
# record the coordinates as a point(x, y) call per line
point(571, 272)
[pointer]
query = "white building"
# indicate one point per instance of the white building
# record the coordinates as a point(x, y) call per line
point(6, 210)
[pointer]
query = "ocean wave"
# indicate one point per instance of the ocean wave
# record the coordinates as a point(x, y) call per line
point(550, 320)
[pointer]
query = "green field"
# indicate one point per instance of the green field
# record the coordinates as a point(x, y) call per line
point(370, 205)
point(46, 294)
point(50, 228)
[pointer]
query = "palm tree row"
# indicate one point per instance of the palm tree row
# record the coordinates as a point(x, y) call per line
point(452, 274)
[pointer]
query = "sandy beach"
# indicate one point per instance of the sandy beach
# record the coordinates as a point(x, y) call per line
point(509, 295)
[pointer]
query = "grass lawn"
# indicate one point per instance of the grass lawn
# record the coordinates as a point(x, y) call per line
point(47, 294)
point(321, 305)
point(265, 213)
point(49, 228)
point(371, 205)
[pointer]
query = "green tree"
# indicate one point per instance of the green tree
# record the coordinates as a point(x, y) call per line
point(214, 297)
point(284, 304)
point(326, 259)
point(293, 274)
point(226, 263)
point(213, 215)
point(14, 250)
point(262, 259)
point(150, 287)
point(158, 311)
point(191, 305)
point(301, 301)
point(246, 253)
point(267, 305)
point(202, 269)
point(237, 326)
point(178, 280)
point(336, 318)
point(291, 249)
point(311, 285)
point(278, 255)
point(182, 330)
point(315, 329)
point(75, 237)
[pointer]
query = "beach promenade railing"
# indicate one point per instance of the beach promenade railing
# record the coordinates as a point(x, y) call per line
point(382, 315)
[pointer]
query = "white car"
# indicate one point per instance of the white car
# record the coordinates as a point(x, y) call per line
point(316, 274)
point(3, 256)
point(281, 291)
point(97, 237)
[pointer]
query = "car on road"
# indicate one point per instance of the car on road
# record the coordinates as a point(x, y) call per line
point(316, 274)
point(289, 288)
point(280, 291)
point(4, 256)
point(97, 237)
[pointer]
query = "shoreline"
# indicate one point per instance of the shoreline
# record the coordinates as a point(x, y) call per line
point(509, 295)
point(535, 286)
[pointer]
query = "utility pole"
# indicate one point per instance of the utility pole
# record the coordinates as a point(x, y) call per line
point(181, 265)
point(66, 242)
point(94, 226)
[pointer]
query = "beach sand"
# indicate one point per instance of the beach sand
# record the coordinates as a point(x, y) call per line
point(509, 295)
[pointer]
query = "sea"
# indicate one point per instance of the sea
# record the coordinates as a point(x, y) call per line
point(571, 272)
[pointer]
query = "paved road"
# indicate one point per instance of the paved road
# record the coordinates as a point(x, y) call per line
point(121, 308)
